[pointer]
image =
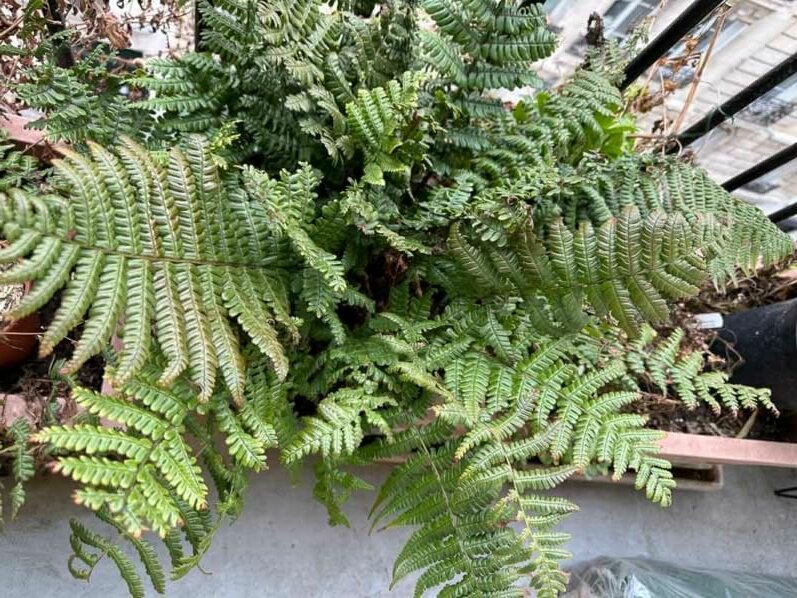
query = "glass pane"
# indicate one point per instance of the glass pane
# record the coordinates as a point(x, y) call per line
point(616, 10)
point(788, 90)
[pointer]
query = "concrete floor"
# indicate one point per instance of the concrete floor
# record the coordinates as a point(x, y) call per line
point(282, 546)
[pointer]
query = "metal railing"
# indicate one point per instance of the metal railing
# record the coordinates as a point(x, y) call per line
point(669, 38)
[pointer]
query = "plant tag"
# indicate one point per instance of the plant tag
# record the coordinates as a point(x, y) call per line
point(709, 321)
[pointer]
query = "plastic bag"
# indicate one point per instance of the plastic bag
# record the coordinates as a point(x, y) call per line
point(642, 578)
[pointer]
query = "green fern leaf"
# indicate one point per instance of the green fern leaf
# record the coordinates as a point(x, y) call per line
point(153, 244)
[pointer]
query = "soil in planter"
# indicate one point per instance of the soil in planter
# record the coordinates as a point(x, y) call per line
point(767, 286)
point(671, 415)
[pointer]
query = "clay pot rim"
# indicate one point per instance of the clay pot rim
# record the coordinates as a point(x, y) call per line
point(13, 355)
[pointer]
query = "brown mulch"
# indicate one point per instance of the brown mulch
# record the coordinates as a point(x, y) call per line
point(671, 415)
point(767, 286)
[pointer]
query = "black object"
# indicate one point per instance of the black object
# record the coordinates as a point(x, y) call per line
point(199, 26)
point(667, 39)
point(775, 161)
point(56, 25)
point(764, 84)
point(766, 166)
point(765, 339)
point(790, 492)
point(784, 213)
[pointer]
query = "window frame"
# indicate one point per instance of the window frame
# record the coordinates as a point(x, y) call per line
point(620, 25)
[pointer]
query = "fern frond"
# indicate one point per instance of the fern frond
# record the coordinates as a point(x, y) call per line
point(149, 245)
point(83, 538)
point(669, 364)
point(603, 268)
point(23, 465)
point(333, 487)
point(339, 428)
point(502, 41)
point(147, 477)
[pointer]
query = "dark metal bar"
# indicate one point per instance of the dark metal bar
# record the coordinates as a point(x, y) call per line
point(783, 213)
point(776, 160)
point(668, 38)
point(199, 26)
point(765, 83)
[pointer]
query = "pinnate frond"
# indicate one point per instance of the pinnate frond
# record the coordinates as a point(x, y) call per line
point(136, 243)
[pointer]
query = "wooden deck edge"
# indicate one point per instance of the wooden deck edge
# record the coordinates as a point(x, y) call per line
point(694, 448)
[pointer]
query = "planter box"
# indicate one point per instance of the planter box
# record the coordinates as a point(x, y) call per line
point(697, 460)
point(694, 448)
point(697, 477)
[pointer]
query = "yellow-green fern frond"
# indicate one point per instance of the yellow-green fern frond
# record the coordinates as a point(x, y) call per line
point(137, 242)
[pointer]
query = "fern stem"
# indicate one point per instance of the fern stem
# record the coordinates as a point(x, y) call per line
point(446, 498)
point(533, 545)
point(266, 261)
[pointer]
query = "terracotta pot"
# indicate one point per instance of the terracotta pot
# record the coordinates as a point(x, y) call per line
point(29, 141)
point(18, 339)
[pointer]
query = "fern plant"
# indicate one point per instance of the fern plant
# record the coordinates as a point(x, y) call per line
point(145, 241)
point(145, 474)
point(328, 239)
point(84, 102)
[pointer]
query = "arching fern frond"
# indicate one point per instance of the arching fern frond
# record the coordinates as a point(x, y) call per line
point(462, 494)
point(139, 242)
point(148, 475)
point(157, 467)
point(625, 269)
point(668, 363)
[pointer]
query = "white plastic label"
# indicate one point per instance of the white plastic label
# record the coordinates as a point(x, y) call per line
point(709, 321)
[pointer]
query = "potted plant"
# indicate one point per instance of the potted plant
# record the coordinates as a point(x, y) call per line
point(321, 228)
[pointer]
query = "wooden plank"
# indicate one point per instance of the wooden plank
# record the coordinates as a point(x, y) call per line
point(693, 448)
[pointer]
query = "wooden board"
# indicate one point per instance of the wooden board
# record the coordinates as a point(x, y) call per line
point(693, 448)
